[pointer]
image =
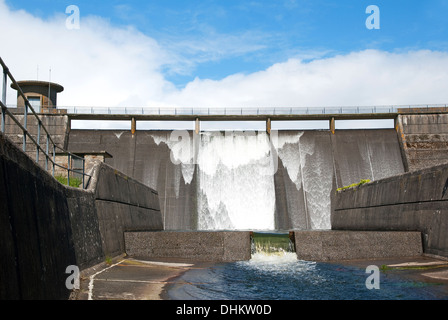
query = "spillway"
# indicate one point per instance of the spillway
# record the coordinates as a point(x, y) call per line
point(247, 180)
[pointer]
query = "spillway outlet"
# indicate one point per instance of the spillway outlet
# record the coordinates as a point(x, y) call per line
point(272, 243)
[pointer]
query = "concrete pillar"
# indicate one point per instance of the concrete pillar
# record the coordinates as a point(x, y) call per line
point(268, 126)
point(197, 126)
point(332, 125)
point(133, 126)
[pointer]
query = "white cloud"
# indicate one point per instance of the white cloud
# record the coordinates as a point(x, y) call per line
point(98, 65)
point(361, 78)
point(103, 65)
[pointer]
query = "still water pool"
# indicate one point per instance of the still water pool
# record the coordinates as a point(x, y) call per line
point(283, 277)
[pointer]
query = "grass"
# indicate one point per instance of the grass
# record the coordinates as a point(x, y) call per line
point(74, 182)
point(363, 181)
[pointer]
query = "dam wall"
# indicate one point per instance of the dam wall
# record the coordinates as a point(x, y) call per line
point(414, 201)
point(279, 181)
point(46, 226)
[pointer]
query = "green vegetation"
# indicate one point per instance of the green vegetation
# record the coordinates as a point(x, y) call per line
point(74, 182)
point(363, 181)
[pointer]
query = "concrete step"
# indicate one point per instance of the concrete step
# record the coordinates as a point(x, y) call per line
point(335, 245)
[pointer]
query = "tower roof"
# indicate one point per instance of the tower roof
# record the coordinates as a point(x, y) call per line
point(25, 83)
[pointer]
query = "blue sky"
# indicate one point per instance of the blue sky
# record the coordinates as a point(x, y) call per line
point(214, 39)
point(283, 53)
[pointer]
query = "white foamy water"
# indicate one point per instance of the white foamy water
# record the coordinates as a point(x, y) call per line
point(311, 171)
point(263, 259)
point(235, 176)
point(235, 182)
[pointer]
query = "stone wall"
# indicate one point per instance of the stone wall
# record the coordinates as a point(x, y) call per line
point(424, 139)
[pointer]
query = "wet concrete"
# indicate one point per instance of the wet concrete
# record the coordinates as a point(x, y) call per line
point(130, 279)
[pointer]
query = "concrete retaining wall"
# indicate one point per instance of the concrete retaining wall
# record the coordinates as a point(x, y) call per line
point(36, 241)
point(217, 246)
point(351, 245)
point(415, 201)
point(45, 226)
point(122, 204)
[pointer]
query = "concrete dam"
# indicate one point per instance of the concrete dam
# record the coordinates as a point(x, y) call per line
point(246, 180)
point(157, 188)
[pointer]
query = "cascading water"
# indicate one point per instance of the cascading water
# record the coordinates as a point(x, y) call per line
point(235, 177)
point(236, 189)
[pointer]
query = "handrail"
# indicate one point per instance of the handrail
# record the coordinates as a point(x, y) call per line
point(26, 134)
point(248, 111)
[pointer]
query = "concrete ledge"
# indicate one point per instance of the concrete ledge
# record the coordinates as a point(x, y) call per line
point(331, 245)
point(216, 246)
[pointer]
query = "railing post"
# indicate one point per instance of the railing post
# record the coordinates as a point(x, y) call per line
point(54, 157)
point(83, 172)
point(25, 121)
point(5, 80)
point(38, 140)
point(46, 152)
point(68, 169)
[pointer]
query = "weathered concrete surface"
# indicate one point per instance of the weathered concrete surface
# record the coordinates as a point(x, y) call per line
point(217, 246)
point(122, 204)
point(415, 201)
point(145, 157)
point(45, 226)
point(36, 242)
point(424, 139)
point(316, 157)
point(125, 278)
point(86, 236)
point(331, 245)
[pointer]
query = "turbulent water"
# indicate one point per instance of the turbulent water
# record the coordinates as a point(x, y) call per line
point(235, 174)
point(283, 277)
point(252, 180)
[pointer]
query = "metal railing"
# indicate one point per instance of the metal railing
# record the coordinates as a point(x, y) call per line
point(50, 155)
point(248, 110)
